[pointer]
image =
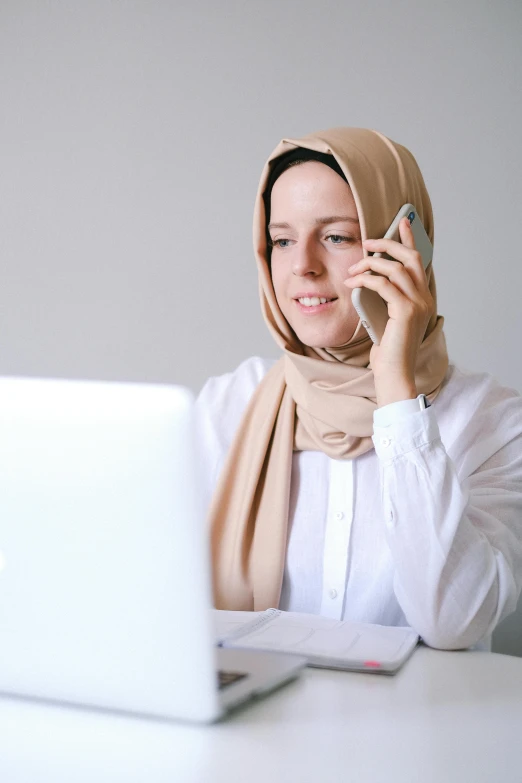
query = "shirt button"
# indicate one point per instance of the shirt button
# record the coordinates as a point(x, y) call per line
point(385, 442)
point(333, 593)
point(339, 515)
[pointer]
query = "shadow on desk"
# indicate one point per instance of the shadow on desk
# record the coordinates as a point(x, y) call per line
point(507, 637)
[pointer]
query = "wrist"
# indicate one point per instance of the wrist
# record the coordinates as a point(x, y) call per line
point(388, 392)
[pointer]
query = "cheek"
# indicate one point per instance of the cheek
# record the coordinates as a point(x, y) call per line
point(277, 276)
point(351, 258)
point(340, 272)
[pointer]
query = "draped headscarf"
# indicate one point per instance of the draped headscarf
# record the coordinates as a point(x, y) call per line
point(319, 399)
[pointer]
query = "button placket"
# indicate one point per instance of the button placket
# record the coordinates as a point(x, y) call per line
point(337, 537)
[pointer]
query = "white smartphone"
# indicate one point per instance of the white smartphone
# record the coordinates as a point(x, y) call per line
point(370, 306)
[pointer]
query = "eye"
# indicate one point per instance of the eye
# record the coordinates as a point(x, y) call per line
point(337, 239)
point(279, 243)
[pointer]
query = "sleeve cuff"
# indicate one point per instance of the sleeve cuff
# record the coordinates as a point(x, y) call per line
point(395, 411)
point(406, 433)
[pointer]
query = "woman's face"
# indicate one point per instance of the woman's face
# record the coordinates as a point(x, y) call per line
point(316, 238)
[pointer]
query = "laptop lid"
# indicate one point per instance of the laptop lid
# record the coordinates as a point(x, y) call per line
point(104, 565)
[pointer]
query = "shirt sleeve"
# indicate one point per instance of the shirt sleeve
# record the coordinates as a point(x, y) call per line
point(394, 412)
point(454, 525)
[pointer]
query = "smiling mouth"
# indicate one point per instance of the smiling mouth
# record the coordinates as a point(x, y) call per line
point(314, 301)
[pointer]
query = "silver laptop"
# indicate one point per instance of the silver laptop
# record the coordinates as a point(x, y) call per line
point(105, 596)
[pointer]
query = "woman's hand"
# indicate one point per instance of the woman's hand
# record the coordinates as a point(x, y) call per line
point(403, 285)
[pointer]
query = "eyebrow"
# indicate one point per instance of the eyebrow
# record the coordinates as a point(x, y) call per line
point(323, 221)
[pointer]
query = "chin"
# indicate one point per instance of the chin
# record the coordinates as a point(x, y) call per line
point(322, 340)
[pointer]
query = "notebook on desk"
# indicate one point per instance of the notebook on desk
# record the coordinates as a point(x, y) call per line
point(105, 593)
point(326, 643)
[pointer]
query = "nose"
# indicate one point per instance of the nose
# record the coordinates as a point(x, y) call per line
point(306, 259)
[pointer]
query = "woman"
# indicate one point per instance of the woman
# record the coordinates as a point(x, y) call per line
point(336, 490)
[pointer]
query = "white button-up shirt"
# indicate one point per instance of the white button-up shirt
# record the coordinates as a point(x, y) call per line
point(425, 530)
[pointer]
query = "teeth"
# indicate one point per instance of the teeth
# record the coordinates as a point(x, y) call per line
point(313, 301)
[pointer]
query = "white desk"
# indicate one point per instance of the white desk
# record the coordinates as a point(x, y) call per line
point(445, 717)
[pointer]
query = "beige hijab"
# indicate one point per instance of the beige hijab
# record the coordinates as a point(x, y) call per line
point(311, 399)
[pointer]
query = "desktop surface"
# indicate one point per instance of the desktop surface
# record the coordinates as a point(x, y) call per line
point(446, 716)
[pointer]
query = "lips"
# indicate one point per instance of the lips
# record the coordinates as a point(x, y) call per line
point(313, 300)
point(313, 305)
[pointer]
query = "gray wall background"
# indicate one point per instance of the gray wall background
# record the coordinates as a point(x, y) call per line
point(132, 138)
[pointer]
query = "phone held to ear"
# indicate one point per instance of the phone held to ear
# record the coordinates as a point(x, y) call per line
point(370, 306)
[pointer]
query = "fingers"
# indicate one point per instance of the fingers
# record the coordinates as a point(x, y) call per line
point(390, 270)
point(394, 271)
point(403, 296)
point(403, 251)
point(406, 234)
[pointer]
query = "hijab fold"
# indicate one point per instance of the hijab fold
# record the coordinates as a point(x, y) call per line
point(319, 399)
